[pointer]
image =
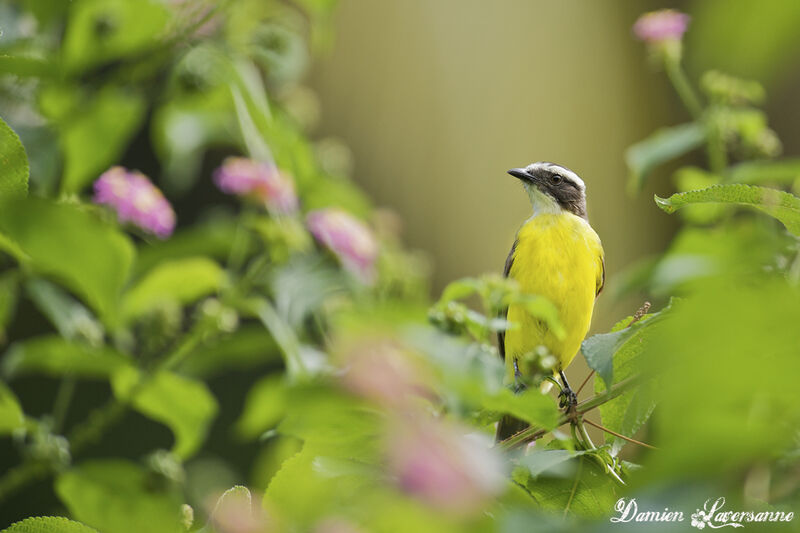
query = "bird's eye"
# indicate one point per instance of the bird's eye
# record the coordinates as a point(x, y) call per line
point(555, 179)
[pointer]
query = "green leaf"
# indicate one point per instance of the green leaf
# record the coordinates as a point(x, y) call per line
point(778, 204)
point(101, 31)
point(590, 492)
point(247, 347)
point(264, 407)
point(14, 168)
point(181, 281)
point(662, 146)
point(211, 238)
point(48, 524)
point(550, 462)
point(459, 289)
point(78, 249)
point(11, 416)
point(186, 406)
point(531, 406)
point(117, 496)
point(70, 317)
point(782, 171)
point(57, 357)
point(95, 135)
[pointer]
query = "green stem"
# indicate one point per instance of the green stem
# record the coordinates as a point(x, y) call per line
point(22, 475)
point(680, 82)
point(66, 391)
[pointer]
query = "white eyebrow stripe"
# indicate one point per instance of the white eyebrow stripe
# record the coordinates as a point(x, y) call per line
point(565, 172)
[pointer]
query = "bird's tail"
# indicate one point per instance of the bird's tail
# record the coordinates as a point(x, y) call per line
point(509, 426)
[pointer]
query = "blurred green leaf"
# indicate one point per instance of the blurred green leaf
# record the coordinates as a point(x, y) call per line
point(728, 395)
point(211, 238)
point(781, 171)
point(11, 416)
point(78, 249)
point(117, 496)
point(93, 137)
point(781, 205)
point(263, 408)
point(14, 168)
point(247, 347)
point(186, 406)
point(459, 289)
point(70, 317)
point(102, 31)
point(662, 146)
point(26, 66)
point(57, 357)
point(181, 281)
point(552, 463)
point(692, 179)
point(48, 524)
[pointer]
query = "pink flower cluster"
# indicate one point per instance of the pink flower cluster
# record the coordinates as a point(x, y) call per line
point(661, 26)
point(435, 461)
point(135, 200)
point(261, 181)
point(348, 238)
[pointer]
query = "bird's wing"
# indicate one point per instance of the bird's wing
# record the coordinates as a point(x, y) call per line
point(601, 274)
point(501, 335)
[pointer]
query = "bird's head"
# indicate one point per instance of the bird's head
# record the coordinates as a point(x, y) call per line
point(552, 188)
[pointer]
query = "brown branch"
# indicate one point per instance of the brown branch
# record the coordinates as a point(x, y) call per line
point(623, 437)
point(532, 433)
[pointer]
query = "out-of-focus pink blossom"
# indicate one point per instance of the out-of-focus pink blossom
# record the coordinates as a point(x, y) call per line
point(661, 26)
point(444, 466)
point(348, 238)
point(254, 179)
point(381, 371)
point(135, 200)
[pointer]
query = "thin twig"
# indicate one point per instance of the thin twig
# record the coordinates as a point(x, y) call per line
point(623, 437)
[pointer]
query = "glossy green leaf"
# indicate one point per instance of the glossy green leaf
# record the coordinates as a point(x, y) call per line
point(14, 168)
point(664, 145)
point(54, 356)
point(182, 281)
point(48, 524)
point(263, 408)
point(118, 496)
point(781, 205)
point(88, 256)
point(94, 136)
point(186, 406)
point(101, 31)
point(11, 416)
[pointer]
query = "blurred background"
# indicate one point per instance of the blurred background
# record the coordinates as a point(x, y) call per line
point(438, 99)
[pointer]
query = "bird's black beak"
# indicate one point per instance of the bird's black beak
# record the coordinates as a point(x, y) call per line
point(521, 173)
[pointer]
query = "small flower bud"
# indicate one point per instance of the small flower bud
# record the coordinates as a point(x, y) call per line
point(135, 200)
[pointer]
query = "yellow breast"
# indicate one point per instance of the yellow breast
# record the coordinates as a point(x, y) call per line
point(558, 256)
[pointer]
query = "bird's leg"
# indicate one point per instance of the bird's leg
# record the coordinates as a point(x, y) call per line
point(567, 397)
point(519, 384)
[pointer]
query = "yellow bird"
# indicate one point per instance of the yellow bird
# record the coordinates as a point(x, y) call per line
point(557, 255)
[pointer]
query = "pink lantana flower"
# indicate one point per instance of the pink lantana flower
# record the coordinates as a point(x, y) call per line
point(350, 240)
point(445, 467)
point(661, 26)
point(260, 181)
point(135, 200)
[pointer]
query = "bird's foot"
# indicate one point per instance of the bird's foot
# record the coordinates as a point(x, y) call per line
point(567, 399)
